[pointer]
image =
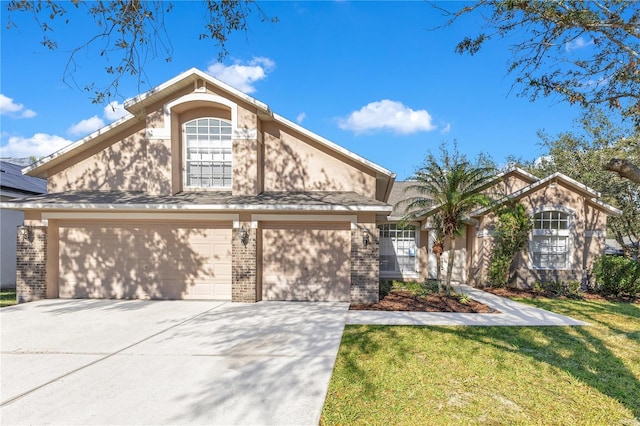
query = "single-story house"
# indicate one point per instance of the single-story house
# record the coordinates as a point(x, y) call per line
point(569, 232)
point(203, 192)
point(13, 185)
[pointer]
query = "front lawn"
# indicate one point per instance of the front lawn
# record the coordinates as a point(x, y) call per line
point(492, 375)
point(7, 298)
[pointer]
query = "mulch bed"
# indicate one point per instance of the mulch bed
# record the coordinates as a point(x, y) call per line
point(402, 300)
point(532, 294)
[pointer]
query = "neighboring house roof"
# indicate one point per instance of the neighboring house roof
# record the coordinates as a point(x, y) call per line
point(137, 107)
point(314, 201)
point(14, 184)
point(589, 193)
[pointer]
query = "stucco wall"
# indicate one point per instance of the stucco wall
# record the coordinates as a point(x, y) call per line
point(116, 164)
point(586, 241)
point(293, 162)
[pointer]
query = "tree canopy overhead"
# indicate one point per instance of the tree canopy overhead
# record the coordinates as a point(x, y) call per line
point(587, 52)
point(128, 33)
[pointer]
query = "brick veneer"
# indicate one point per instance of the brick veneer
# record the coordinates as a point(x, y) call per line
point(244, 266)
point(31, 253)
point(365, 277)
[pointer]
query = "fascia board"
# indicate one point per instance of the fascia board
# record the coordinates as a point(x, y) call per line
point(130, 104)
point(95, 137)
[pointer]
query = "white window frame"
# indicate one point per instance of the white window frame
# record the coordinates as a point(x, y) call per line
point(557, 234)
point(394, 244)
point(221, 141)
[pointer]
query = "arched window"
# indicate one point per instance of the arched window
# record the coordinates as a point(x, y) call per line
point(550, 241)
point(207, 153)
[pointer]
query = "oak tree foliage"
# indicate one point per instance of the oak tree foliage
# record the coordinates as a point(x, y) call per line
point(580, 155)
point(585, 52)
point(128, 33)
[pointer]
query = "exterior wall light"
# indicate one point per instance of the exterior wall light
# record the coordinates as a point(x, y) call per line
point(244, 236)
point(365, 237)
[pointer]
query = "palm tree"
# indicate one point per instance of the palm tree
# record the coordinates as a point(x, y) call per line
point(449, 189)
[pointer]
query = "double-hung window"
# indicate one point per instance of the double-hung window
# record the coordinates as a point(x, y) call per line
point(208, 153)
point(398, 249)
point(550, 240)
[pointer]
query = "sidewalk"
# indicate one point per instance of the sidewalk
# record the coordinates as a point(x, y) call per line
point(511, 314)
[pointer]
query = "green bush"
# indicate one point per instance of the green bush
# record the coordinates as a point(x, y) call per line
point(617, 276)
point(558, 288)
point(499, 270)
point(414, 287)
point(385, 288)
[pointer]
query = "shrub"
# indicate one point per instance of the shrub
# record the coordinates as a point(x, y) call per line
point(617, 276)
point(558, 288)
point(510, 237)
point(430, 286)
point(385, 288)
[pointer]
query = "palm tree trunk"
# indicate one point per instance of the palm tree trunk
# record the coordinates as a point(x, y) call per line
point(452, 252)
point(439, 271)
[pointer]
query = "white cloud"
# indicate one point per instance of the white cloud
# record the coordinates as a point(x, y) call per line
point(39, 145)
point(242, 76)
point(114, 111)
point(390, 115)
point(28, 113)
point(446, 129)
point(9, 107)
point(300, 118)
point(578, 43)
point(86, 126)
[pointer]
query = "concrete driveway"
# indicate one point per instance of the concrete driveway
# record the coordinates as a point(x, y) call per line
point(177, 362)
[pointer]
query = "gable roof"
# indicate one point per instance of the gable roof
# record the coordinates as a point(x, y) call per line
point(136, 108)
point(589, 193)
point(399, 193)
point(14, 183)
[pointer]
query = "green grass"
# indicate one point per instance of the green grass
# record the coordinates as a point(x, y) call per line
point(492, 375)
point(7, 298)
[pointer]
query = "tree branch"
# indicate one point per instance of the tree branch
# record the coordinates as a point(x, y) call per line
point(624, 168)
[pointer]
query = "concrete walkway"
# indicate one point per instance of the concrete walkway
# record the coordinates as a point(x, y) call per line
point(510, 314)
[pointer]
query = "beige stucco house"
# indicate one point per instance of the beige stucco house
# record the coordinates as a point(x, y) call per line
point(202, 192)
point(569, 232)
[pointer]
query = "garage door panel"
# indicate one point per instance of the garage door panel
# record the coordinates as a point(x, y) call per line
point(133, 260)
point(306, 262)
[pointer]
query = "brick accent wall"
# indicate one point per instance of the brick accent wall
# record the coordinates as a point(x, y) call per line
point(244, 266)
point(31, 253)
point(365, 268)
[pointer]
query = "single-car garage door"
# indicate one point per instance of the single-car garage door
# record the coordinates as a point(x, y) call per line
point(145, 260)
point(303, 261)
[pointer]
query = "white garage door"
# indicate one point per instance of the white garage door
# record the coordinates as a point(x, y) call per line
point(145, 260)
point(308, 262)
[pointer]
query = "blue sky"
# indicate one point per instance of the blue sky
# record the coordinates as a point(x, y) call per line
point(373, 77)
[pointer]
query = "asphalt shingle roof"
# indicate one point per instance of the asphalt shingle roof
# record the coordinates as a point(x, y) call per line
point(320, 199)
point(11, 177)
